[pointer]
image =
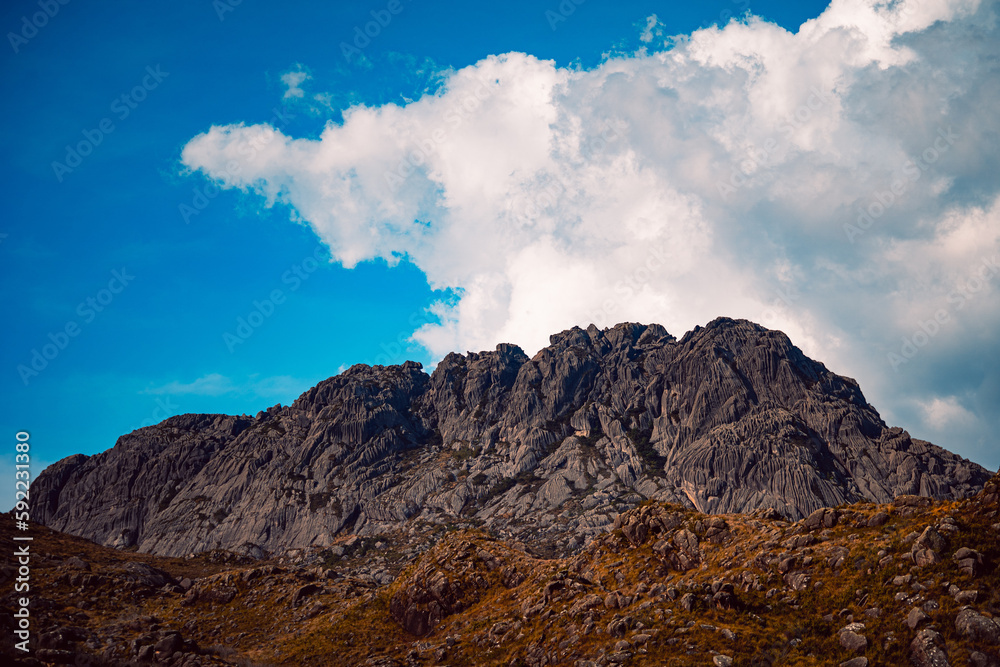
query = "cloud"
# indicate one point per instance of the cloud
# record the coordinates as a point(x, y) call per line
point(212, 384)
point(293, 81)
point(215, 384)
point(836, 183)
point(278, 386)
point(653, 29)
point(946, 412)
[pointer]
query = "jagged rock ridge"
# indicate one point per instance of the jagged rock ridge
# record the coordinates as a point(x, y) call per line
point(547, 450)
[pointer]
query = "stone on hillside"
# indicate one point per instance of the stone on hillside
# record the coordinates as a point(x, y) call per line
point(977, 659)
point(724, 597)
point(927, 650)
point(797, 581)
point(424, 600)
point(910, 500)
point(970, 561)
point(56, 657)
point(687, 554)
point(147, 575)
point(77, 563)
point(851, 639)
point(927, 548)
point(970, 623)
point(966, 597)
point(916, 617)
point(303, 592)
point(169, 644)
point(822, 518)
point(855, 662)
point(585, 604)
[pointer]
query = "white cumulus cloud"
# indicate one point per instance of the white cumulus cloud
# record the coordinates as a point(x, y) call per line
point(836, 182)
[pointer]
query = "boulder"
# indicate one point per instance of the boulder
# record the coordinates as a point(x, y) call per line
point(851, 639)
point(966, 597)
point(970, 561)
point(142, 574)
point(970, 623)
point(686, 554)
point(169, 644)
point(927, 548)
point(977, 659)
point(855, 662)
point(77, 563)
point(303, 592)
point(822, 518)
point(916, 617)
point(927, 650)
point(56, 657)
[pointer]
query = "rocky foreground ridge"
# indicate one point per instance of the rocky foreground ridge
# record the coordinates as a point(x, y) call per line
point(911, 582)
point(545, 452)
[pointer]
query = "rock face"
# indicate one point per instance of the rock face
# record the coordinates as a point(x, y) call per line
point(547, 450)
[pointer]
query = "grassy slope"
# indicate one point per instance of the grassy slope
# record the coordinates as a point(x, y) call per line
point(347, 621)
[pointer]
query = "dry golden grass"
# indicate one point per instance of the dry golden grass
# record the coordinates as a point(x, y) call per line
point(348, 622)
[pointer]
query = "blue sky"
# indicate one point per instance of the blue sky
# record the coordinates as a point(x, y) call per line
point(175, 251)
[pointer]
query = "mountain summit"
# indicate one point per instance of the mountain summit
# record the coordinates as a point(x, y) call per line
point(546, 451)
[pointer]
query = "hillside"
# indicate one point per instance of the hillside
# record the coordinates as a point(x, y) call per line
point(910, 582)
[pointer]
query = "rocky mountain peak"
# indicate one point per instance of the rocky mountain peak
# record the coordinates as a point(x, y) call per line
point(548, 450)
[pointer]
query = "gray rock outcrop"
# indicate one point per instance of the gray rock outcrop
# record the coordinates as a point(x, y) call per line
point(546, 450)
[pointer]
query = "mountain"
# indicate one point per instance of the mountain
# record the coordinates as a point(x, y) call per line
point(913, 582)
point(544, 452)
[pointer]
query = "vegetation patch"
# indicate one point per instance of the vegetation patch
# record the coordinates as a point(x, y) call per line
point(273, 426)
point(640, 440)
